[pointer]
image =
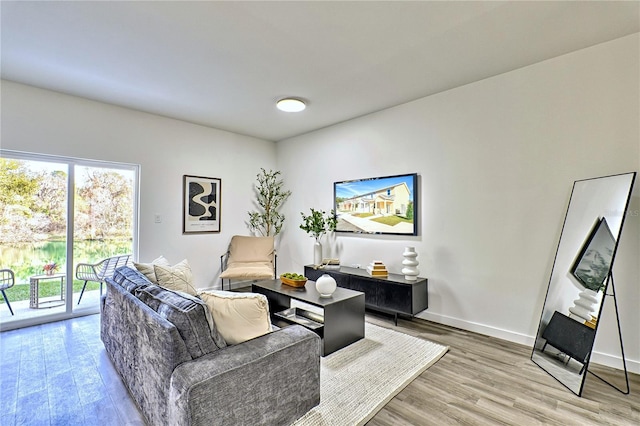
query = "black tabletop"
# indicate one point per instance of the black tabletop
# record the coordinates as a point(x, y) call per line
point(308, 293)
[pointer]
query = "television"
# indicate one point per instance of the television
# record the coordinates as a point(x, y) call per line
point(593, 264)
point(378, 205)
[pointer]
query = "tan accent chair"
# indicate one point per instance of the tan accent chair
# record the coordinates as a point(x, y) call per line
point(248, 258)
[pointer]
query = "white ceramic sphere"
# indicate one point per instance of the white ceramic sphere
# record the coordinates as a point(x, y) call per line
point(326, 285)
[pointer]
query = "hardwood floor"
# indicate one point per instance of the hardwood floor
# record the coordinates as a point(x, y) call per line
point(59, 374)
point(488, 381)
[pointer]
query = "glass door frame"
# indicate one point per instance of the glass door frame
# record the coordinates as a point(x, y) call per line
point(70, 273)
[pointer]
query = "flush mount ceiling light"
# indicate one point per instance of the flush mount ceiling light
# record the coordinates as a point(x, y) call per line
point(291, 105)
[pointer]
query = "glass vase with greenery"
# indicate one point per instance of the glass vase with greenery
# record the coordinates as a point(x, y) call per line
point(318, 223)
point(270, 195)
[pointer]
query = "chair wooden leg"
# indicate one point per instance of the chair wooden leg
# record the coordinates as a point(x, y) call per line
point(82, 292)
point(6, 300)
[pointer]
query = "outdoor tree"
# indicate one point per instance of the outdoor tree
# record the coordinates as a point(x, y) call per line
point(270, 195)
point(409, 214)
point(51, 198)
point(18, 184)
point(33, 204)
point(18, 189)
point(105, 208)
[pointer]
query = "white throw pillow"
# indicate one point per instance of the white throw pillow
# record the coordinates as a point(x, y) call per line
point(147, 270)
point(238, 316)
point(177, 277)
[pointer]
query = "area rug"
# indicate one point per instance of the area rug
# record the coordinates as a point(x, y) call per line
point(357, 381)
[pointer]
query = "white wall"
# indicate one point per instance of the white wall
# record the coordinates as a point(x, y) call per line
point(41, 121)
point(497, 160)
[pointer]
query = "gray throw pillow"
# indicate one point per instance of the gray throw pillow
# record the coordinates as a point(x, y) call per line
point(187, 314)
point(129, 278)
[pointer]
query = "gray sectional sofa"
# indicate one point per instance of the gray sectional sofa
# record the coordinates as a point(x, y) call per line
point(180, 371)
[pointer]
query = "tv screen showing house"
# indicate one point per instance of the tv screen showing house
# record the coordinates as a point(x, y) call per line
point(379, 205)
point(593, 264)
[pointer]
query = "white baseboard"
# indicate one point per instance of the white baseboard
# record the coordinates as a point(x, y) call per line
point(633, 366)
point(511, 336)
point(615, 362)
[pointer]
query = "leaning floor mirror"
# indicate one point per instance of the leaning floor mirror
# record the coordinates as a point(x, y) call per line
point(580, 277)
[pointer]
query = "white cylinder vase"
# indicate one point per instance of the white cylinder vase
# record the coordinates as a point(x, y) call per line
point(326, 285)
point(410, 264)
point(317, 253)
point(584, 306)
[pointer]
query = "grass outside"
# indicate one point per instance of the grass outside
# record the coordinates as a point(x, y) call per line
point(391, 220)
point(362, 214)
point(46, 288)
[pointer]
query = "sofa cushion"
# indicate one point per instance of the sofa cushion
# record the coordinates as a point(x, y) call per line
point(147, 268)
point(187, 314)
point(129, 278)
point(177, 277)
point(238, 316)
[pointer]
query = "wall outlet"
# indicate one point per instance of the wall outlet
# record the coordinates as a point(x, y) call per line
point(157, 218)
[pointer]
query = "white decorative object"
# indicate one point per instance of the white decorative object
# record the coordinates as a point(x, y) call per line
point(326, 285)
point(317, 253)
point(585, 306)
point(410, 263)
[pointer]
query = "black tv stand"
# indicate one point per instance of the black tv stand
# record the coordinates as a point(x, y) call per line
point(393, 295)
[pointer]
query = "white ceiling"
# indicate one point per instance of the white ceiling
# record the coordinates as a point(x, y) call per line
point(224, 64)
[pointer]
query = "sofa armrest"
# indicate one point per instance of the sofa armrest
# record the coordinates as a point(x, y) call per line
point(273, 379)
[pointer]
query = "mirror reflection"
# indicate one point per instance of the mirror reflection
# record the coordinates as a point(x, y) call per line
point(579, 277)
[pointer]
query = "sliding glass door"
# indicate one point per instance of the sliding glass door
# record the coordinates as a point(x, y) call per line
point(103, 225)
point(57, 213)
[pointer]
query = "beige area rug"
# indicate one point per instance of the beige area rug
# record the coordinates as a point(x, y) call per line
point(357, 381)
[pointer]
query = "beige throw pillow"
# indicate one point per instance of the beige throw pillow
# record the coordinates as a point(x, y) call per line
point(147, 270)
point(177, 277)
point(238, 316)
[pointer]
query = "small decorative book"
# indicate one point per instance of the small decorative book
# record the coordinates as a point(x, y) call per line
point(331, 264)
point(377, 269)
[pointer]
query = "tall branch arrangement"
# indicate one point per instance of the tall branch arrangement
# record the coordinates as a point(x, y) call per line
point(270, 195)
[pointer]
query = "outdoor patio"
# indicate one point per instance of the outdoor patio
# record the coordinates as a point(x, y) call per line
point(21, 310)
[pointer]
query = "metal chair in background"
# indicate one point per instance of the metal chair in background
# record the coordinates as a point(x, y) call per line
point(7, 280)
point(98, 272)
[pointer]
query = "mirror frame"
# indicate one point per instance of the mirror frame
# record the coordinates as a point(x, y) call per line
point(541, 326)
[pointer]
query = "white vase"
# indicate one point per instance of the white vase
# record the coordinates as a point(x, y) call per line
point(317, 253)
point(584, 306)
point(410, 264)
point(326, 285)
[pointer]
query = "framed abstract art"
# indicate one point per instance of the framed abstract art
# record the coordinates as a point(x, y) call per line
point(201, 204)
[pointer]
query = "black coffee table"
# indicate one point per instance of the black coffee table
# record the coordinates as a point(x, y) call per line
point(340, 324)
